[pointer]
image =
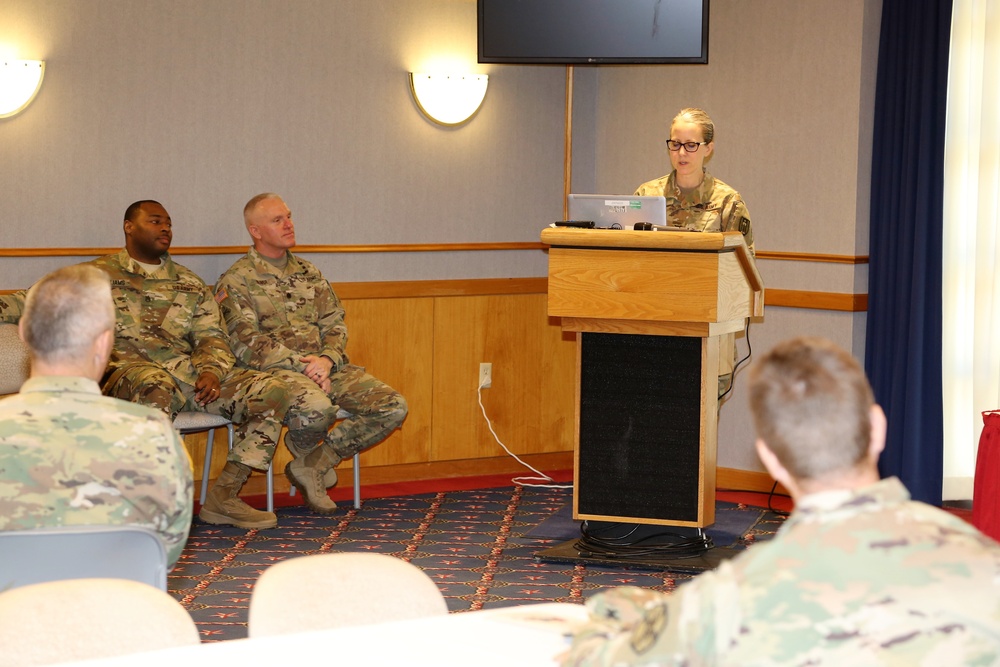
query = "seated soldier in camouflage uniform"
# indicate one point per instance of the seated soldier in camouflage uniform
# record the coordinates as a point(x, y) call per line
point(172, 354)
point(284, 318)
point(858, 575)
point(70, 456)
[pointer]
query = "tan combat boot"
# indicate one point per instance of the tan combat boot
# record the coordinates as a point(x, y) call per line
point(307, 474)
point(329, 478)
point(224, 507)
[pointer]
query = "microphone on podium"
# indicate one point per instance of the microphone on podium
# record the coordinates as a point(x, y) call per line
point(650, 227)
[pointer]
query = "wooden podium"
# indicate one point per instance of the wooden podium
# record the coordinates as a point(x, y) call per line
point(649, 308)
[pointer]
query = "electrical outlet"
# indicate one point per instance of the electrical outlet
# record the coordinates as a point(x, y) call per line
point(485, 375)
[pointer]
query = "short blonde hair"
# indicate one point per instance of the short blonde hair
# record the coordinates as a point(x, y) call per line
point(700, 118)
point(252, 204)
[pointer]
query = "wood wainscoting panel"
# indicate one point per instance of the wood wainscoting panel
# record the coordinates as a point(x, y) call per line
point(531, 401)
point(393, 340)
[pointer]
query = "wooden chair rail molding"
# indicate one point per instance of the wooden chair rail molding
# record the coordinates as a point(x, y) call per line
point(811, 257)
point(301, 249)
point(398, 247)
point(837, 301)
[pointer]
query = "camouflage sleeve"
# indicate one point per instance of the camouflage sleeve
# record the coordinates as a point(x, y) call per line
point(635, 626)
point(210, 346)
point(737, 219)
point(11, 307)
point(253, 347)
point(623, 621)
point(332, 329)
point(179, 516)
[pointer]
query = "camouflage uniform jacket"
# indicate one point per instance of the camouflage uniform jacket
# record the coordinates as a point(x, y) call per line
point(277, 315)
point(863, 577)
point(11, 306)
point(168, 319)
point(70, 456)
point(712, 207)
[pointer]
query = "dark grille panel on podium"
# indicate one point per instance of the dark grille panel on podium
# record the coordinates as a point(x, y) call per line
point(648, 309)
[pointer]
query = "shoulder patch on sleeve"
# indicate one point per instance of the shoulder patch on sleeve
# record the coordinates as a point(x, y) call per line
point(649, 629)
point(222, 295)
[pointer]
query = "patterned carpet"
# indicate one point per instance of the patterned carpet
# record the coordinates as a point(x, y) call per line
point(479, 546)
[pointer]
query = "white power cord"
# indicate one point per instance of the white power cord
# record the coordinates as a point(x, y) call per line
point(543, 481)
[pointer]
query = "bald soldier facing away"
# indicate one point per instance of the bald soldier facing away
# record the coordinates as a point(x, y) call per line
point(285, 319)
point(70, 456)
point(858, 575)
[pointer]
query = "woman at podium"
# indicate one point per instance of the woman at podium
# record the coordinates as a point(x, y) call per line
point(695, 199)
point(698, 201)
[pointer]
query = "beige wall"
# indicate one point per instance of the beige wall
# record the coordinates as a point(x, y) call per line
point(203, 103)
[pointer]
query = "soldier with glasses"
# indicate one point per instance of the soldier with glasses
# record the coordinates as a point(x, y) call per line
point(698, 201)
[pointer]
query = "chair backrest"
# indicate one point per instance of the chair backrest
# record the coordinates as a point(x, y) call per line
point(322, 591)
point(13, 360)
point(85, 619)
point(75, 552)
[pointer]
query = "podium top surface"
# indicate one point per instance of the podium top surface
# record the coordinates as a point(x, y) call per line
point(627, 238)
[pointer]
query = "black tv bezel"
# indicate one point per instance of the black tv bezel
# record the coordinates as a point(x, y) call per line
point(582, 60)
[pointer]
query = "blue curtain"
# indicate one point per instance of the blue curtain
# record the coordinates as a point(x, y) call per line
point(903, 345)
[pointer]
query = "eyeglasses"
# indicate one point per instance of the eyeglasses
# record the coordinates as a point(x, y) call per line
point(689, 146)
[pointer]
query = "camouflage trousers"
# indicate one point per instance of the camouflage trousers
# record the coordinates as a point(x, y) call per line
point(376, 411)
point(255, 402)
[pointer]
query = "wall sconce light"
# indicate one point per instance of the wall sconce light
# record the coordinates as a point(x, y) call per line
point(19, 83)
point(448, 99)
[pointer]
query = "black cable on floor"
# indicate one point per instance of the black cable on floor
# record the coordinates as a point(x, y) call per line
point(627, 547)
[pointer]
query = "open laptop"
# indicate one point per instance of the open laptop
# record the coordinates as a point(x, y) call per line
point(617, 211)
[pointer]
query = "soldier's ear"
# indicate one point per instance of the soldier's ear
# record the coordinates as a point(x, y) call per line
point(879, 427)
point(771, 463)
point(103, 345)
point(254, 231)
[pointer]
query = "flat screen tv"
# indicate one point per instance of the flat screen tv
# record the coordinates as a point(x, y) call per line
point(593, 31)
